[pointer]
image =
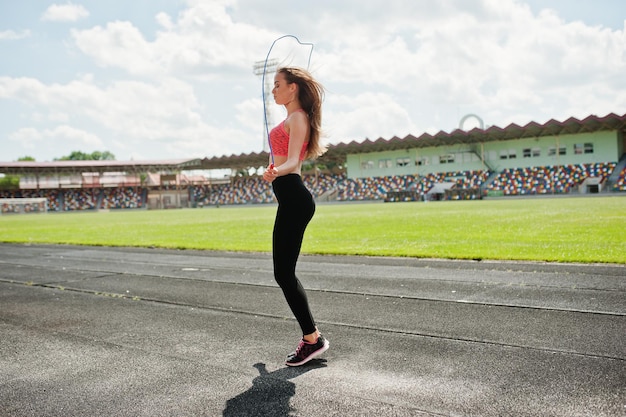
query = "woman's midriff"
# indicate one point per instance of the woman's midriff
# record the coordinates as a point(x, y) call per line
point(279, 160)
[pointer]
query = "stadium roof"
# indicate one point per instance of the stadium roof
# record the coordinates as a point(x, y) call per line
point(494, 133)
point(78, 167)
point(336, 153)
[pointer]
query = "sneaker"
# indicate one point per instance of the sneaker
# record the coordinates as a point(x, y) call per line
point(307, 351)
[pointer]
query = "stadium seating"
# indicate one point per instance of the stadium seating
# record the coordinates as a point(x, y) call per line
point(254, 190)
point(247, 190)
point(51, 195)
point(121, 197)
point(620, 184)
point(322, 183)
point(79, 199)
point(548, 180)
point(377, 188)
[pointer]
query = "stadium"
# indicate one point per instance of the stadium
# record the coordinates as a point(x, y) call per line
point(555, 158)
point(114, 327)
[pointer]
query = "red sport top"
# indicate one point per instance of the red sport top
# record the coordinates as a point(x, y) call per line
point(279, 139)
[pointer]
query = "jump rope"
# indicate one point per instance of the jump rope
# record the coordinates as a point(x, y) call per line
point(267, 127)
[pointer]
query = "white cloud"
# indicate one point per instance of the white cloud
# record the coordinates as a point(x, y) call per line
point(204, 39)
point(494, 58)
point(11, 35)
point(163, 116)
point(74, 135)
point(247, 112)
point(61, 136)
point(165, 21)
point(65, 13)
point(119, 44)
point(367, 115)
point(391, 68)
point(28, 136)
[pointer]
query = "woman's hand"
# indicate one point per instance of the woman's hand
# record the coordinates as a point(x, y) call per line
point(270, 173)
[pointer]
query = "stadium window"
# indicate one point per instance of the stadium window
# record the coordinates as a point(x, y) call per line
point(504, 154)
point(446, 159)
point(536, 152)
point(367, 165)
point(385, 163)
point(552, 151)
point(403, 162)
point(588, 147)
point(422, 161)
point(526, 153)
point(578, 149)
point(512, 154)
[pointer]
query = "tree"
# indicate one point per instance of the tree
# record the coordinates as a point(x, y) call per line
point(12, 182)
point(103, 156)
point(82, 156)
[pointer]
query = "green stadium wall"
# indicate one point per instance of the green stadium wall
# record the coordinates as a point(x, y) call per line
point(572, 149)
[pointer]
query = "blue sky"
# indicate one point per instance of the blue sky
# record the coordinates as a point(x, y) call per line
point(158, 79)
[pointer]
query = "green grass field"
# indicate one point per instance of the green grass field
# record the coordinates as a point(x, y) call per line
point(539, 229)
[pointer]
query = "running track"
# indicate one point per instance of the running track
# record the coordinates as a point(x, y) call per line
point(95, 331)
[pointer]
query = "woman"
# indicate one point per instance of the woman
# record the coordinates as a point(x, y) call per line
point(295, 139)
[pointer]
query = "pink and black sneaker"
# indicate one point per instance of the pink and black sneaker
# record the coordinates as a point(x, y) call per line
point(307, 351)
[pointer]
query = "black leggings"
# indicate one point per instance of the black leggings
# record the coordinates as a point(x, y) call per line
point(295, 210)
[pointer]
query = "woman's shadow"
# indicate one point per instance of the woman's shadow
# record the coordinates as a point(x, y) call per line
point(270, 393)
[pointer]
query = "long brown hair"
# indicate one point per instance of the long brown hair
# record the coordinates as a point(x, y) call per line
point(310, 95)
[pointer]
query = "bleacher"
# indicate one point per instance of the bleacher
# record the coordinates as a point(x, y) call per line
point(560, 179)
point(79, 199)
point(378, 188)
point(83, 199)
point(620, 184)
point(52, 196)
point(121, 197)
point(321, 184)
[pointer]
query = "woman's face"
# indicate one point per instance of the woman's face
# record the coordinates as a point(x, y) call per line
point(282, 91)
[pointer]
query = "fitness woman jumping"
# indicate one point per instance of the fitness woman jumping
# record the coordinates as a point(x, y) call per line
point(295, 139)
